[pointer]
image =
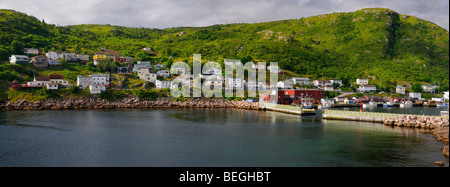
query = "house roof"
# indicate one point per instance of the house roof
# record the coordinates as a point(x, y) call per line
point(368, 85)
point(41, 78)
point(56, 76)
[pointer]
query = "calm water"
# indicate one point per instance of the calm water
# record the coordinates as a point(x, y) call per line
point(204, 138)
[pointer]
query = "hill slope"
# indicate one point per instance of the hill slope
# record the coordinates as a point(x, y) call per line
point(371, 42)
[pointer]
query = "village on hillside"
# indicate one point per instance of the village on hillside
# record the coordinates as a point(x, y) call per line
point(291, 90)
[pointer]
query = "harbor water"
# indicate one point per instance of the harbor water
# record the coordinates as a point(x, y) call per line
point(205, 138)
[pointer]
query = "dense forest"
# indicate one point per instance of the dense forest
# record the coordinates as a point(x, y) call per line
point(377, 43)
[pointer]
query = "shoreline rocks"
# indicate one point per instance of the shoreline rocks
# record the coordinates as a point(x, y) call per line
point(438, 127)
point(131, 102)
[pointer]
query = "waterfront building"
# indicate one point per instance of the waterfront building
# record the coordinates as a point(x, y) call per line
point(446, 95)
point(400, 89)
point(289, 96)
point(415, 95)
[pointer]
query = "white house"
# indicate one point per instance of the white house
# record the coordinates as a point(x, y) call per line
point(212, 71)
point(322, 83)
point(235, 83)
point(146, 74)
point(141, 65)
point(362, 81)
point(259, 67)
point(96, 82)
point(163, 73)
point(209, 83)
point(97, 89)
point(429, 88)
point(19, 59)
point(163, 84)
point(58, 79)
point(446, 95)
point(400, 89)
point(39, 82)
point(337, 81)
point(54, 55)
point(285, 85)
point(367, 88)
point(300, 81)
point(415, 95)
point(52, 86)
point(274, 69)
point(31, 51)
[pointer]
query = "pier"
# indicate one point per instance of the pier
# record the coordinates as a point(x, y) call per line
point(376, 117)
point(288, 109)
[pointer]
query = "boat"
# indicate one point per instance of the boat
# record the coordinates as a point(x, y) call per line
point(444, 113)
point(307, 106)
point(441, 104)
point(370, 105)
point(406, 104)
point(388, 104)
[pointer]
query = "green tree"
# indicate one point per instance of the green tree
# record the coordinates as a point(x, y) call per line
point(417, 87)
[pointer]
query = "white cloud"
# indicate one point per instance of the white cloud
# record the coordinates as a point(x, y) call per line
point(175, 13)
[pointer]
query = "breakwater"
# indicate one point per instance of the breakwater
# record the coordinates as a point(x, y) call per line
point(131, 102)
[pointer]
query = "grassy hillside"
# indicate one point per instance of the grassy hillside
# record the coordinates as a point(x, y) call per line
point(377, 43)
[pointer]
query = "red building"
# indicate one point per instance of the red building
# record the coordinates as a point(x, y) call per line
point(294, 96)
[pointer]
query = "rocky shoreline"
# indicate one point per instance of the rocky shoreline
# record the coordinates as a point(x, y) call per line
point(131, 102)
point(438, 127)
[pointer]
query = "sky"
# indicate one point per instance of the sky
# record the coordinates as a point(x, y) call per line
point(176, 13)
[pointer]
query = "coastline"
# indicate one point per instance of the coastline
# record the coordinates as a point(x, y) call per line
point(440, 133)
